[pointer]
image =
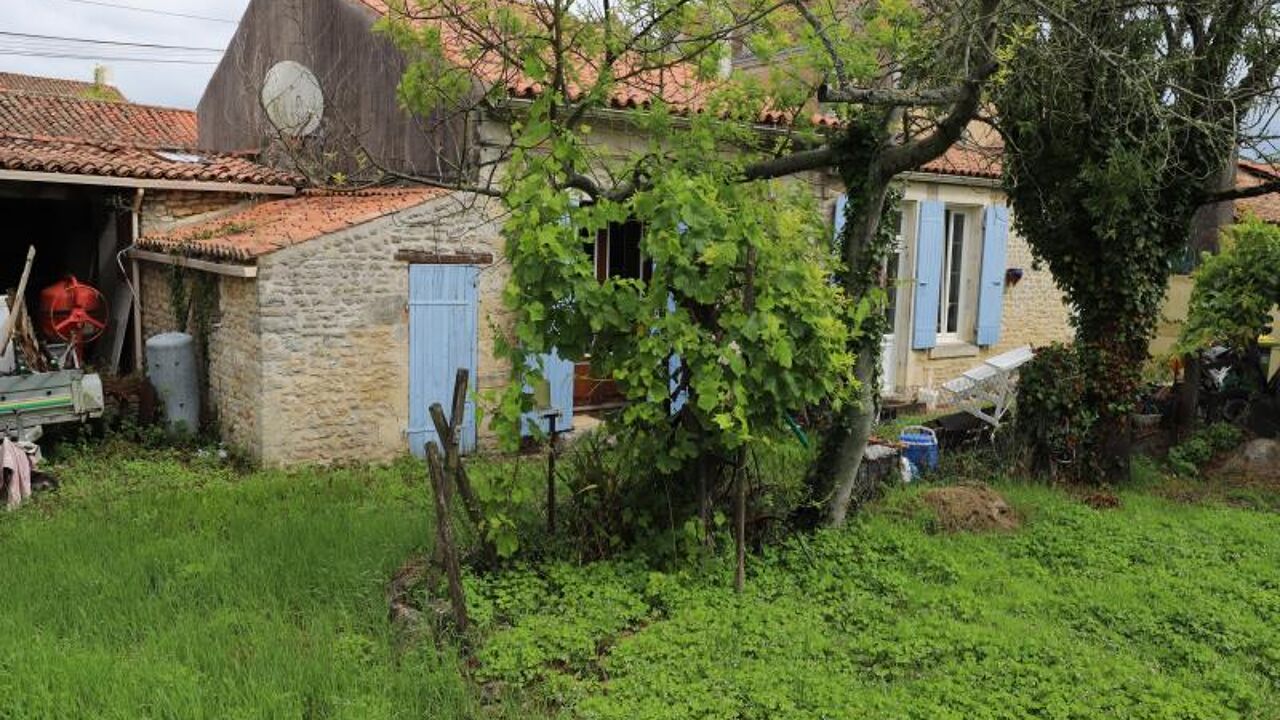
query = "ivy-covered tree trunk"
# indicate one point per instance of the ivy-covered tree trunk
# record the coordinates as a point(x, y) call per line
point(1119, 125)
point(870, 228)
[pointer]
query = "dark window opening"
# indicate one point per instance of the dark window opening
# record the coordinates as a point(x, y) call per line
point(617, 252)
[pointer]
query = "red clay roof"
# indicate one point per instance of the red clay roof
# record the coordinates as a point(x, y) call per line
point(55, 155)
point(1265, 207)
point(83, 120)
point(967, 160)
point(59, 86)
point(277, 224)
point(68, 135)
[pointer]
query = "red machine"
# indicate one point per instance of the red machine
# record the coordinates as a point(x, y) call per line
point(73, 313)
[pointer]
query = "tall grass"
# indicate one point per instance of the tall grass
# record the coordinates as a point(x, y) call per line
point(154, 588)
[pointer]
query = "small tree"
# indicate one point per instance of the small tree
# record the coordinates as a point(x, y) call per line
point(1118, 117)
point(1237, 291)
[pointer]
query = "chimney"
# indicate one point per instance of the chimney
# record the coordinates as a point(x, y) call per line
point(101, 76)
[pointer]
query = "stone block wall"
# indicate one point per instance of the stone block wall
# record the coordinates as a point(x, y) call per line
point(232, 393)
point(165, 208)
point(335, 331)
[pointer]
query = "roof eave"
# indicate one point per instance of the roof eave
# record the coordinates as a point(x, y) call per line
point(34, 176)
point(950, 179)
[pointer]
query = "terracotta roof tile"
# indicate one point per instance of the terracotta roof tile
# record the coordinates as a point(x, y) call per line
point(59, 86)
point(56, 155)
point(1265, 207)
point(81, 120)
point(76, 136)
point(967, 160)
point(277, 224)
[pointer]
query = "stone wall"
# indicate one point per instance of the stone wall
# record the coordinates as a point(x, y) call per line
point(162, 209)
point(232, 391)
point(335, 332)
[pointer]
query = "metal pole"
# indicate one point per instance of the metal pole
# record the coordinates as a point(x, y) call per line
point(551, 477)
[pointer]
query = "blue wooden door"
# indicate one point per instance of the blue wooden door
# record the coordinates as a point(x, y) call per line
point(443, 318)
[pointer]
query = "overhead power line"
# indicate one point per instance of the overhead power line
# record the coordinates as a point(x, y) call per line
point(103, 58)
point(170, 13)
point(114, 43)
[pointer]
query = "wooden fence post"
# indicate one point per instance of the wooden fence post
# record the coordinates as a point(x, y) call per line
point(444, 536)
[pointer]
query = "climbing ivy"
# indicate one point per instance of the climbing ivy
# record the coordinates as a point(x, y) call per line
point(1107, 159)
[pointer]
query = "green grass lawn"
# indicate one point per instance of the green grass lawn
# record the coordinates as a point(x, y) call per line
point(149, 587)
point(1153, 610)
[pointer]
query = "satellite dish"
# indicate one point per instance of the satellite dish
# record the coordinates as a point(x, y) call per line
point(292, 97)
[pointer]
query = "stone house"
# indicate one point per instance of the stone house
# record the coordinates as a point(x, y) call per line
point(339, 316)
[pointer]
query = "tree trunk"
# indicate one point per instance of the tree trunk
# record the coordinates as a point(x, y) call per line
point(854, 431)
point(853, 428)
point(1112, 384)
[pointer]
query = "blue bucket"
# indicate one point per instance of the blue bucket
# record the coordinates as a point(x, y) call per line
point(920, 447)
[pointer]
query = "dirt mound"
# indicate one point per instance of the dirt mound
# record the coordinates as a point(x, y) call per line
point(972, 507)
point(1102, 501)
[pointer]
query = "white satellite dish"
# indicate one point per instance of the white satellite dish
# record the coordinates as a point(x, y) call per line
point(292, 97)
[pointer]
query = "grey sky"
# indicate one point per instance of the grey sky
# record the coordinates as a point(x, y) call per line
point(174, 85)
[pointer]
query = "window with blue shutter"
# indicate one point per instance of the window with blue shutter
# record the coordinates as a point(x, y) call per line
point(674, 363)
point(991, 287)
point(930, 244)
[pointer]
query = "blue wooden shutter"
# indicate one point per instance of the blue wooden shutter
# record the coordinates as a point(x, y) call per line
point(930, 243)
point(991, 287)
point(674, 362)
point(841, 202)
point(443, 320)
point(559, 376)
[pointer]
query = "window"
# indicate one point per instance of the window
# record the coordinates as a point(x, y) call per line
point(957, 306)
point(617, 252)
point(892, 270)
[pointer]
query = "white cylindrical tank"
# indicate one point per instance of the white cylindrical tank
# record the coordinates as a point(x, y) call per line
point(171, 367)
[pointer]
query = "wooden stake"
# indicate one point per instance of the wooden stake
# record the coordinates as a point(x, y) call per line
point(740, 523)
point(551, 476)
point(453, 465)
point(444, 536)
point(12, 318)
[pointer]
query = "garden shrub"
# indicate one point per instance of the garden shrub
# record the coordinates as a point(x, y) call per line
point(1053, 422)
point(1189, 456)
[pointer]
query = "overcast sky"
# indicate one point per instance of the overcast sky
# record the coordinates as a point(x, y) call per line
point(170, 84)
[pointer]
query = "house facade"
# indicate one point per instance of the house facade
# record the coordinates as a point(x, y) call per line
point(341, 315)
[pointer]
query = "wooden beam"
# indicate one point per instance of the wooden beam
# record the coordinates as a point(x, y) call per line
point(426, 257)
point(217, 268)
point(145, 183)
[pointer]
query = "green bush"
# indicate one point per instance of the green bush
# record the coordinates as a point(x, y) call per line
point(1053, 421)
point(1189, 456)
